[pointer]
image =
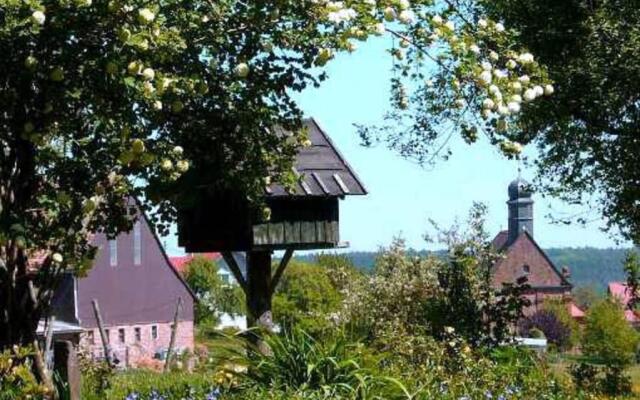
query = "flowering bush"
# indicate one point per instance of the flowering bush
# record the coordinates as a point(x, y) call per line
point(409, 295)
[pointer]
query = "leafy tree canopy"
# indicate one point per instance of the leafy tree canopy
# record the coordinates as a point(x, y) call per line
point(107, 99)
point(587, 133)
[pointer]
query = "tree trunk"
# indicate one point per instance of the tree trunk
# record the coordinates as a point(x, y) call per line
point(259, 295)
point(21, 308)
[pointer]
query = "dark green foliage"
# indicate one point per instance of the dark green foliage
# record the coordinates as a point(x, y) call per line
point(609, 380)
point(632, 269)
point(587, 133)
point(584, 376)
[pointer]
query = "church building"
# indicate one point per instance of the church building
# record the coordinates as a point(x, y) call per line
point(522, 256)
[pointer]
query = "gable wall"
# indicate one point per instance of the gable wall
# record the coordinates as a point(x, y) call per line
point(132, 294)
point(524, 251)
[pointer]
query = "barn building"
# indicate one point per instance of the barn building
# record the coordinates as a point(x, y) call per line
point(137, 290)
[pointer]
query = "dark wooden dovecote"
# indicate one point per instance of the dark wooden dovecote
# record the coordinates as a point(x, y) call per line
point(308, 218)
point(303, 219)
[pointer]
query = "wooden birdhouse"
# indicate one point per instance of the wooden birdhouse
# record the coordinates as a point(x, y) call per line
point(303, 219)
point(307, 218)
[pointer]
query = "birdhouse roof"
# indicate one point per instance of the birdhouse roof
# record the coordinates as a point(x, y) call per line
point(322, 169)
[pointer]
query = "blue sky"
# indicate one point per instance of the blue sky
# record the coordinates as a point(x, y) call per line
point(402, 195)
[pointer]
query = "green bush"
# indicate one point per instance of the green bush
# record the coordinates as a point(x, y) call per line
point(608, 336)
point(17, 380)
point(305, 298)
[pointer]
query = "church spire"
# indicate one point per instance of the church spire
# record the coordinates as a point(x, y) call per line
point(520, 209)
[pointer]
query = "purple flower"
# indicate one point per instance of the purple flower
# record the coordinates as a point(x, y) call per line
point(213, 395)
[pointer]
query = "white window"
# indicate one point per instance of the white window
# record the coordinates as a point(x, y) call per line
point(113, 252)
point(137, 244)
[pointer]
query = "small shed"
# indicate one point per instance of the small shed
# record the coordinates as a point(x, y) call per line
point(302, 219)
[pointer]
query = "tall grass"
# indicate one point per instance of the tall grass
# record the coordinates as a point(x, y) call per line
point(297, 363)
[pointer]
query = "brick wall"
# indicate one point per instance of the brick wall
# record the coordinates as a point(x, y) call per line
point(133, 351)
point(524, 252)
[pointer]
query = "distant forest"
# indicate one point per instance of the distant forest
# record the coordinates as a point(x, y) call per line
point(589, 266)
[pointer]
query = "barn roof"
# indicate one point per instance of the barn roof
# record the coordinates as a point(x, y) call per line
point(323, 170)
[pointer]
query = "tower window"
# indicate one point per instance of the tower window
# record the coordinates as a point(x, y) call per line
point(526, 269)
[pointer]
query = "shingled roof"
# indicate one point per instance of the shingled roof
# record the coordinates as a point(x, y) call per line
point(322, 169)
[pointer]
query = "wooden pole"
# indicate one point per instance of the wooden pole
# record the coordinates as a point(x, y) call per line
point(259, 290)
point(174, 330)
point(41, 367)
point(103, 335)
point(281, 267)
point(258, 296)
point(48, 351)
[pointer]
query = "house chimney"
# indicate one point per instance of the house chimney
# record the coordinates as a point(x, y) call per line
point(520, 210)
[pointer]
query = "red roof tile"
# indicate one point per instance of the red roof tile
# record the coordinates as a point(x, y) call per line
point(575, 311)
point(619, 290)
point(179, 263)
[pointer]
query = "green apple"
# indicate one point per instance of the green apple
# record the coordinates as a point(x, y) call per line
point(57, 75)
point(137, 146)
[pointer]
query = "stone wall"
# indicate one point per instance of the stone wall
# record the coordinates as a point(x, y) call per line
point(134, 352)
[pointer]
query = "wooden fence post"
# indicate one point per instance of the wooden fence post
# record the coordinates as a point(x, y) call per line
point(174, 330)
point(103, 336)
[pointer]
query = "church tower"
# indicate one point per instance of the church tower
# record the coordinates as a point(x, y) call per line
point(520, 210)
